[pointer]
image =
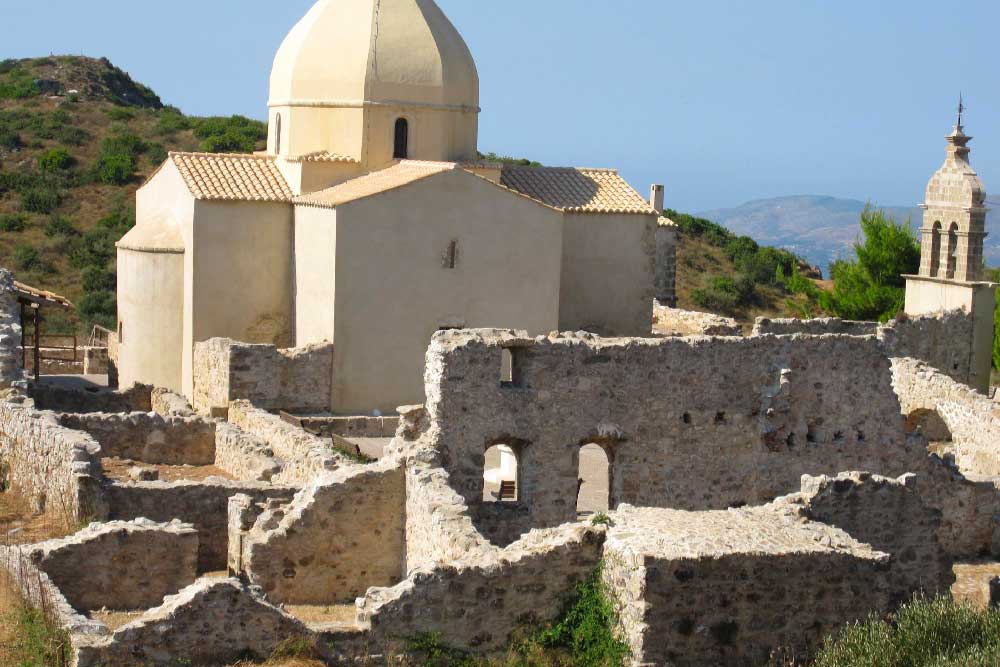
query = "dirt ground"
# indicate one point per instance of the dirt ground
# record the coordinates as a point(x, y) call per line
point(20, 525)
point(118, 469)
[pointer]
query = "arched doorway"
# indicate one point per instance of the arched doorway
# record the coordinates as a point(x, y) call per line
point(501, 474)
point(594, 480)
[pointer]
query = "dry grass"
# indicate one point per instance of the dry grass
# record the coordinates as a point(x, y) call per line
point(20, 525)
point(341, 614)
point(118, 469)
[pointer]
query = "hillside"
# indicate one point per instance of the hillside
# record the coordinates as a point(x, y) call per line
point(822, 228)
point(78, 136)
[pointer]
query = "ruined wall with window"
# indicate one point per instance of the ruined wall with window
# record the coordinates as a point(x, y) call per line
point(685, 423)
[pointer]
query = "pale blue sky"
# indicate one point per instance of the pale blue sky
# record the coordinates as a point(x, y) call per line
point(723, 101)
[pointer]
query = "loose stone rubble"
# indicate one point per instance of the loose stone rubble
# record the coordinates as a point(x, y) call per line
point(762, 491)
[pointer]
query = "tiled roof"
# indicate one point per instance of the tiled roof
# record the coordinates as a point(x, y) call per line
point(393, 177)
point(576, 190)
point(664, 221)
point(323, 156)
point(232, 177)
point(37, 295)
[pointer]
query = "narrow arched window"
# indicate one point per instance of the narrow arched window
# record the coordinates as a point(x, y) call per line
point(952, 250)
point(935, 250)
point(277, 134)
point(401, 144)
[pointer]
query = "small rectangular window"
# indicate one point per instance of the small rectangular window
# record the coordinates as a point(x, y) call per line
point(451, 256)
point(121, 332)
point(511, 367)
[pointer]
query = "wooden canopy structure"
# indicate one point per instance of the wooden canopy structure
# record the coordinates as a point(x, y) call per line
point(33, 300)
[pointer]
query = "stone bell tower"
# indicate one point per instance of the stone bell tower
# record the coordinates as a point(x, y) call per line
point(951, 259)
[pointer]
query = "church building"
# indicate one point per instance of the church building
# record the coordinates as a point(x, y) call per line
point(371, 222)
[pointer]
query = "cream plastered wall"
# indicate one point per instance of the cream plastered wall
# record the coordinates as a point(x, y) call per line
point(608, 271)
point(393, 291)
point(306, 129)
point(304, 177)
point(151, 283)
point(928, 296)
point(434, 134)
point(239, 276)
point(315, 278)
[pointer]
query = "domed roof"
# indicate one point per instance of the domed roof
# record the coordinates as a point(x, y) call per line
point(345, 52)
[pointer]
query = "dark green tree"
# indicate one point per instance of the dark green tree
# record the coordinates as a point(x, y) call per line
point(872, 287)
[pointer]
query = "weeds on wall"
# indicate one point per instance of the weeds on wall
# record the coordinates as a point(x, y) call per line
point(585, 635)
point(29, 636)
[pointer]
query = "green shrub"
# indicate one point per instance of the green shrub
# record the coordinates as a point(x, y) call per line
point(72, 136)
point(35, 640)
point(97, 279)
point(157, 154)
point(872, 286)
point(17, 84)
point(28, 258)
point(506, 159)
point(10, 139)
point(99, 304)
point(115, 169)
point(120, 114)
point(924, 633)
point(13, 222)
point(995, 277)
point(60, 226)
point(40, 199)
point(171, 121)
point(97, 246)
point(726, 295)
point(235, 134)
point(55, 160)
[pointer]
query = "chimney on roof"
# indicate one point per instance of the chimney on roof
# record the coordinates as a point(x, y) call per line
point(656, 198)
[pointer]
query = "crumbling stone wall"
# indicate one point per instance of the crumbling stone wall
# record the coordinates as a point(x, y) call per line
point(340, 536)
point(213, 621)
point(202, 504)
point(60, 399)
point(268, 377)
point(10, 332)
point(120, 565)
point(54, 467)
point(676, 322)
point(689, 423)
point(816, 327)
point(891, 516)
point(973, 420)
point(168, 404)
point(478, 602)
point(148, 437)
point(303, 456)
point(244, 456)
point(702, 589)
point(944, 341)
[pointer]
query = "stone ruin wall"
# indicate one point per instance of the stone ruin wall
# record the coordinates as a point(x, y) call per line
point(359, 513)
point(56, 468)
point(148, 437)
point(944, 341)
point(269, 377)
point(676, 322)
point(689, 423)
point(665, 272)
point(137, 398)
point(10, 332)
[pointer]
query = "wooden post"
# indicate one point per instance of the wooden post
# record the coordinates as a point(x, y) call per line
point(37, 318)
point(24, 344)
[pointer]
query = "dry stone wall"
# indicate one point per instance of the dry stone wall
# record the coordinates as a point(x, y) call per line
point(303, 456)
point(268, 377)
point(148, 437)
point(56, 468)
point(702, 589)
point(202, 504)
point(676, 322)
point(213, 621)
point(244, 456)
point(891, 516)
point(689, 423)
point(339, 537)
point(10, 332)
point(60, 399)
point(128, 565)
point(168, 404)
point(816, 327)
point(943, 341)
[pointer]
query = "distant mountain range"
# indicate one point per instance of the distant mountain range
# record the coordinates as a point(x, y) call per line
point(822, 229)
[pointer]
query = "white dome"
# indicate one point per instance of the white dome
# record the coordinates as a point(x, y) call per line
point(348, 53)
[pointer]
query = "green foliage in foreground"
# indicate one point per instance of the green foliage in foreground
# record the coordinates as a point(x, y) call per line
point(35, 642)
point(994, 275)
point(924, 633)
point(872, 286)
point(233, 134)
point(584, 636)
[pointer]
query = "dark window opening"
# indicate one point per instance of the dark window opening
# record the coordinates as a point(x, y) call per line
point(952, 250)
point(451, 256)
point(511, 367)
point(686, 418)
point(936, 250)
point(720, 417)
point(401, 144)
point(277, 134)
point(121, 332)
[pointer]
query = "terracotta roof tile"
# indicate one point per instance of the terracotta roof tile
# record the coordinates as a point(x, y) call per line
point(232, 177)
point(323, 156)
point(393, 177)
point(576, 190)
